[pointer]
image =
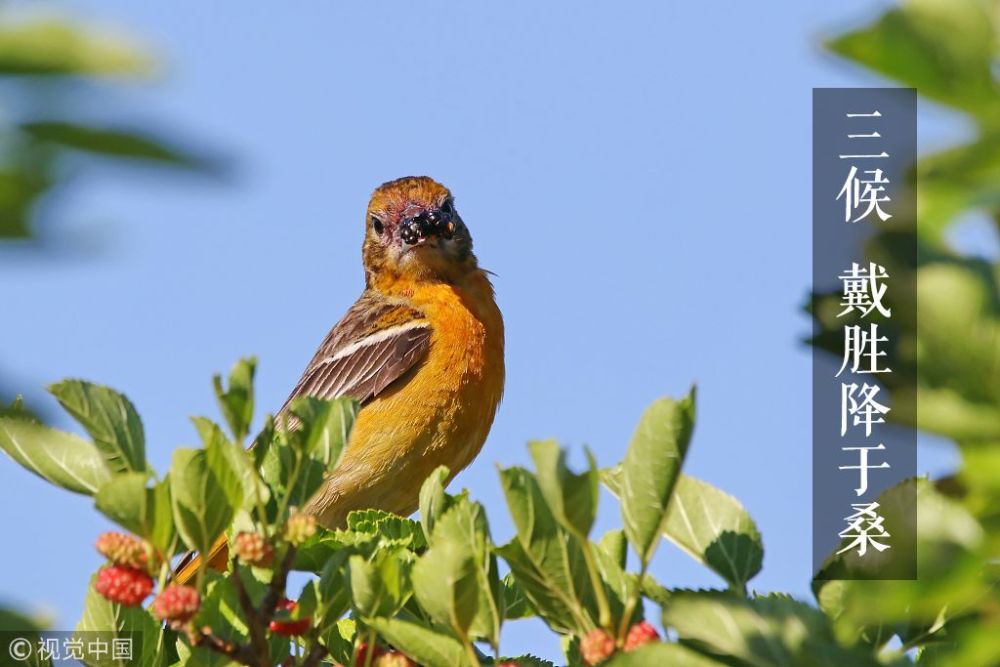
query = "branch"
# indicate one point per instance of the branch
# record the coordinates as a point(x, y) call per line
point(256, 625)
point(241, 653)
point(258, 619)
point(316, 653)
point(276, 589)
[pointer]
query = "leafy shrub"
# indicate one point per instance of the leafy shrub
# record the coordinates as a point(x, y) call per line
point(387, 588)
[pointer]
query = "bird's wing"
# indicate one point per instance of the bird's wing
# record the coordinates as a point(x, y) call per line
point(374, 345)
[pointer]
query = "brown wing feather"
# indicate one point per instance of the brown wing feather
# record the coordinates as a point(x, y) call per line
point(375, 343)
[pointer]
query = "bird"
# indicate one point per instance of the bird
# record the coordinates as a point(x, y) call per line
point(421, 350)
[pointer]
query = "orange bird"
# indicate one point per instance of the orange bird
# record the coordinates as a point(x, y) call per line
point(421, 349)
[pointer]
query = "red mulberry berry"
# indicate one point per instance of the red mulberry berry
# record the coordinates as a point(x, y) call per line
point(290, 627)
point(639, 634)
point(377, 652)
point(125, 585)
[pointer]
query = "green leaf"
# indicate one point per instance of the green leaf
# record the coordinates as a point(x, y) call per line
point(952, 557)
point(388, 528)
point(113, 621)
point(770, 631)
point(202, 509)
point(278, 469)
point(232, 466)
point(16, 621)
point(560, 611)
point(956, 178)
point(650, 470)
point(306, 602)
point(307, 448)
point(20, 188)
point(548, 564)
point(109, 418)
point(710, 526)
point(514, 601)
point(236, 400)
point(115, 142)
point(655, 591)
point(445, 585)
point(614, 546)
point(619, 586)
point(123, 500)
point(339, 641)
point(17, 409)
point(958, 388)
point(58, 457)
point(126, 500)
point(333, 590)
point(661, 653)
point(526, 660)
point(318, 549)
point(433, 500)
point(571, 497)
point(55, 47)
point(262, 444)
point(465, 524)
point(943, 49)
point(426, 646)
point(159, 510)
point(570, 645)
point(379, 587)
point(325, 426)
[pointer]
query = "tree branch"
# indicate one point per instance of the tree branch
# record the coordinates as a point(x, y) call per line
point(316, 653)
point(276, 589)
point(241, 653)
point(256, 624)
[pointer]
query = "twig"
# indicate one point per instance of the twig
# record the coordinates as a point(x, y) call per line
point(276, 589)
point(256, 625)
point(316, 653)
point(257, 652)
point(241, 653)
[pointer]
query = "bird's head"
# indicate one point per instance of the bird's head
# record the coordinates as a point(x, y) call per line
point(414, 231)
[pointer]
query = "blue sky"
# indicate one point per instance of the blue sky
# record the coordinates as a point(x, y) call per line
point(636, 174)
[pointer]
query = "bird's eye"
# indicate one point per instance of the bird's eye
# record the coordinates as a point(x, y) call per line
point(377, 226)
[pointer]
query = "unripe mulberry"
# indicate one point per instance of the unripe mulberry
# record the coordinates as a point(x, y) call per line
point(253, 549)
point(177, 604)
point(393, 659)
point(300, 527)
point(596, 646)
point(122, 549)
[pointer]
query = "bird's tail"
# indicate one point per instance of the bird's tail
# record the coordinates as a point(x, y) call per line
point(187, 568)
